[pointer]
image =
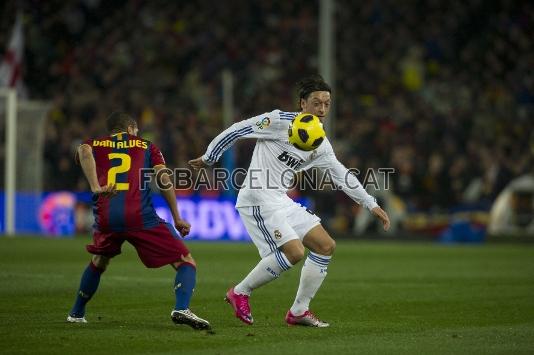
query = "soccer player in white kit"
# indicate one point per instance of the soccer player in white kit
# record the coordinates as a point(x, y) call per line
point(280, 228)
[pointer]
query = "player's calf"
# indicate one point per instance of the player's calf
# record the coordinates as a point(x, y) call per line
point(88, 286)
point(101, 262)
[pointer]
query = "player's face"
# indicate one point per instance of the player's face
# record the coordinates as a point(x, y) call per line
point(133, 130)
point(318, 104)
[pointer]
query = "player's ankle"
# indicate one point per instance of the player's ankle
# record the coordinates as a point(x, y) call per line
point(240, 290)
point(297, 311)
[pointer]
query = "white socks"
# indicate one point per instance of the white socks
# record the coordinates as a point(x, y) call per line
point(268, 269)
point(311, 277)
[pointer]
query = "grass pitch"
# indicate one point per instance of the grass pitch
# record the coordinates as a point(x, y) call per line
point(378, 297)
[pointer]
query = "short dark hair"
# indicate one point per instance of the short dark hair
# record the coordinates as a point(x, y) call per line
point(310, 84)
point(119, 121)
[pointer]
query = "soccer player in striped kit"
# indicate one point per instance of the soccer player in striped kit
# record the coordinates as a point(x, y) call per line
point(123, 211)
point(281, 228)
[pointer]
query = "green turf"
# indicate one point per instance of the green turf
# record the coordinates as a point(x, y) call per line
point(379, 298)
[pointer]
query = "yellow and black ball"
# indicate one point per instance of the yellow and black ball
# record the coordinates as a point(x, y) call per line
point(306, 132)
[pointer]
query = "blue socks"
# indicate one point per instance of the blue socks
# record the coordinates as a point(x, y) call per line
point(184, 285)
point(88, 286)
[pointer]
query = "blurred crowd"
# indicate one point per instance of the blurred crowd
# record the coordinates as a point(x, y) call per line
point(441, 91)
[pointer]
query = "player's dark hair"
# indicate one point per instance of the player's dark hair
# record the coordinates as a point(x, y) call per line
point(119, 121)
point(310, 84)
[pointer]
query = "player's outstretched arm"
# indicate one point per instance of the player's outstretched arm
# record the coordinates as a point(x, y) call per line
point(182, 226)
point(264, 126)
point(349, 183)
point(87, 161)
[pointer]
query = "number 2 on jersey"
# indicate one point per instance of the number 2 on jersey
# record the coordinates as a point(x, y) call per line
point(125, 165)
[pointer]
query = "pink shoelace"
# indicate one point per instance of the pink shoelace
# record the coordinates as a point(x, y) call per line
point(242, 304)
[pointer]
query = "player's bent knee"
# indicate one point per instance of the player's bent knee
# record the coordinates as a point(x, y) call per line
point(327, 247)
point(100, 261)
point(188, 259)
point(331, 246)
point(185, 259)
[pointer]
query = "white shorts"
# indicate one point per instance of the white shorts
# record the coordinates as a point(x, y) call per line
point(271, 227)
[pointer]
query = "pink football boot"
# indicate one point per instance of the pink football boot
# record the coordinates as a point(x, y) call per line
point(240, 305)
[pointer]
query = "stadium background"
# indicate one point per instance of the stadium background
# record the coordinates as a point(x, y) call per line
point(441, 92)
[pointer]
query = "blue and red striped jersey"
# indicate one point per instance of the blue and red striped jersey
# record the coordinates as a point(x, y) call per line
point(119, 159)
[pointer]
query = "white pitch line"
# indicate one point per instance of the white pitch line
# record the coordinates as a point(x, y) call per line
point(7, 275)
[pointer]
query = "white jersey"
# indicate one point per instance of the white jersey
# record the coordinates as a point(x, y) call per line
point(275, 161)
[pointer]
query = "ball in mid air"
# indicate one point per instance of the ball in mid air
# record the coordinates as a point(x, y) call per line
point(306, 132)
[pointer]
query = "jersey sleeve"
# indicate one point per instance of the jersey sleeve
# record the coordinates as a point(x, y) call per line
point(264, 126)
point(343, 178)
point(156, 158)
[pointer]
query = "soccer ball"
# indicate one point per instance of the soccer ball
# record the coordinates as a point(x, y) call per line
point(306, 132)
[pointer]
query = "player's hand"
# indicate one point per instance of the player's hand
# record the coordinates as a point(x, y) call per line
point(382, 216)
point(105, 191)
point(197, 163)
point(183, 227)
